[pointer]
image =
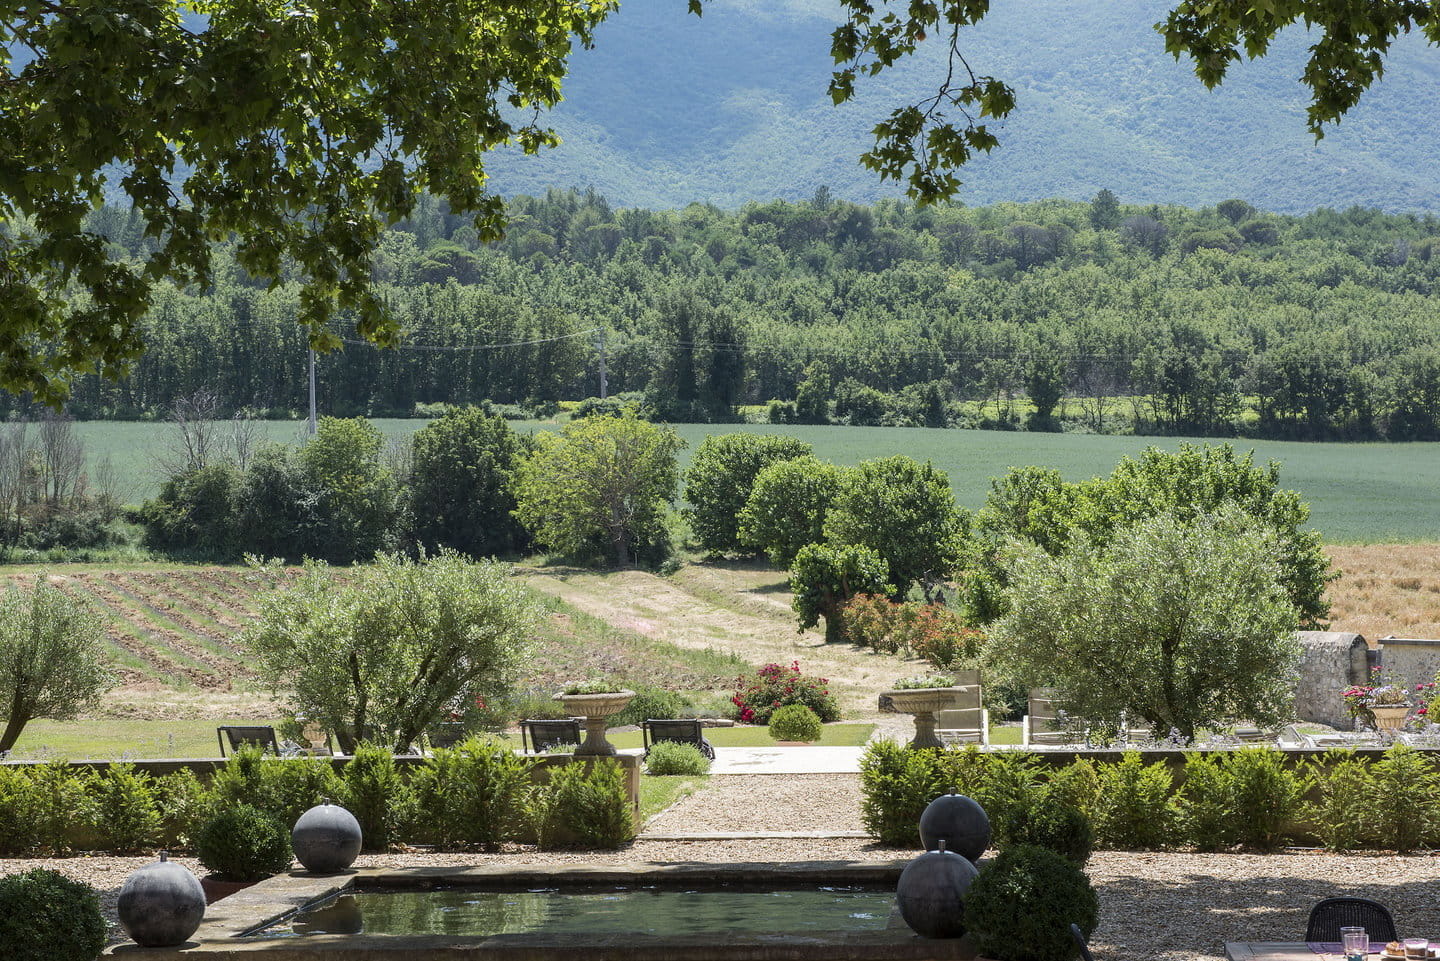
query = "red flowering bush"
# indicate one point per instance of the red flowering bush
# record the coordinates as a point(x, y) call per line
point(774, 686)
point(928, 631)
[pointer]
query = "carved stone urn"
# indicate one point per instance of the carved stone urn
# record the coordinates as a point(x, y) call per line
point(596, 709)
point(923, 702)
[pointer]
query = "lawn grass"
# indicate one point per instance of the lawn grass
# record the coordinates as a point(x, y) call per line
point(658, 792)
point(117, 738)
point(1358, 493)
point(835, 735)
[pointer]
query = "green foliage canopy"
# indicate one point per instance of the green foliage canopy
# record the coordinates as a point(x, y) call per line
point(824, 577)
point(601, 482)
point(721, 478)
point(787, 507)
point(1180, 622)
point(460, 491)
point(51, 662)
point(381, 653)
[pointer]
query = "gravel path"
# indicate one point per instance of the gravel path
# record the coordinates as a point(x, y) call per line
point(766, 802)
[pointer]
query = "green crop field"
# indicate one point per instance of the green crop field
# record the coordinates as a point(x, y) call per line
point(1359, 493)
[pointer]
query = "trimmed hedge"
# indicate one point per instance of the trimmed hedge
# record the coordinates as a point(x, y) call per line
point(1251, 798)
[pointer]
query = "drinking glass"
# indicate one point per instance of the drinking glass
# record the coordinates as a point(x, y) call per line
point(1416, 947)
point(1355, 942)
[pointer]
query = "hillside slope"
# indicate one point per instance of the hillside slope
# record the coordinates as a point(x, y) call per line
point(669, 109)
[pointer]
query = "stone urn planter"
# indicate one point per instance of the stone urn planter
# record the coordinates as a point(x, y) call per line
point(596, 709)
point(1390, 717)
point(922, 702)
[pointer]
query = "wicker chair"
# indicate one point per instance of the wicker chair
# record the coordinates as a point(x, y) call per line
point(1329, 916)
point(680, 730)
point(261, 736)
point(546, 733)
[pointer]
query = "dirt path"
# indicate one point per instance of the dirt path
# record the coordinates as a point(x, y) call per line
point(700, 608)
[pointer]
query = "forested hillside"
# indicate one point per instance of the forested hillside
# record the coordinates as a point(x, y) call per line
point(669, 108)
point(1209, 321)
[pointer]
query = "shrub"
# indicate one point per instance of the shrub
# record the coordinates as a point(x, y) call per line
point(1077, 784)
point(1267, 796)
point(1133, 811)
point(869, 620)
point(242, 780)
point(937, 635)
point(244, 843)
point(823, 578)
point(45, 916)
point(583, 805)
point(896, 785)
point(1205, 807)
point(1405, 806)
point(127, 809)
point(1021, 906)
point(473, 795)
point(1344, 791)
point(652, 702)
point(1049, 823)
point(1009, 779)
point(17, 813)
point(376, 795)
point(672, 757)
point(795, 722)
point(184, 805)
point(59, 803)
point(774, 686)
point(295, 785)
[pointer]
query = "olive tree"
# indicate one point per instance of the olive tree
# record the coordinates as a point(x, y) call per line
point(602, 484)
point(382, 651)
point(1181, 623)
point(51, 662)
point(721, 478)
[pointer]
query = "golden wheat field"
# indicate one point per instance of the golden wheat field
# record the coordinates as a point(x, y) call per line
point(1386, 589)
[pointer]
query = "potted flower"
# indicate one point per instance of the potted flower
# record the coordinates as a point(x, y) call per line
point(595, 701)
point(922, 696)
point(1384, 703)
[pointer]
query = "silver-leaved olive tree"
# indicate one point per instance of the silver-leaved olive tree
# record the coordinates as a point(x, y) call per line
point(377, 653)
point(1179, 623)
point(51, 656)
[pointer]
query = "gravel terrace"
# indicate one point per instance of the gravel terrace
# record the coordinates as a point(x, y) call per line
point(1168, 907)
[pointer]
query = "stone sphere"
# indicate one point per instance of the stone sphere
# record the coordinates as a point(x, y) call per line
point(161, 904)
point(958, 821)
point(326, 839)
point(931, 893)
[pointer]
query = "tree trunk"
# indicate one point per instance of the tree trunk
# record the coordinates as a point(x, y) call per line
point(18, 718)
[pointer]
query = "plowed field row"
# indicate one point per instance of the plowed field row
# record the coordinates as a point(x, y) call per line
point(175, 627)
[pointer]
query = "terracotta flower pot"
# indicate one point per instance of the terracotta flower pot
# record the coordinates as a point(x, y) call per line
point(1390, 717)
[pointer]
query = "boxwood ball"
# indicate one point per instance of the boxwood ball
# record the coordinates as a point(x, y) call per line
point(958, 821)
point(161, 904)
point(931, 893)
point(326, 839)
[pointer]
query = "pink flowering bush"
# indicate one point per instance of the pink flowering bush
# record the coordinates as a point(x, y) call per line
point(758, 695)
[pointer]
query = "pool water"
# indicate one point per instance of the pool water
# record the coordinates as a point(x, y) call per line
point(644, 911)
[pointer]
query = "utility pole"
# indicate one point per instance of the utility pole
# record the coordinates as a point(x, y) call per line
point(604, 383)
point(312, 392)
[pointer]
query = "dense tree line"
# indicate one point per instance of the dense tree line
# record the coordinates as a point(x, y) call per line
point(1097, 316)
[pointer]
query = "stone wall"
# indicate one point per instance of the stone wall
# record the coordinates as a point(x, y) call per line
point(1410, 659)
point(1330, 662)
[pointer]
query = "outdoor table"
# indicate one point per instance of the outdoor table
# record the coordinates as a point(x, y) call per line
point(1291, 950)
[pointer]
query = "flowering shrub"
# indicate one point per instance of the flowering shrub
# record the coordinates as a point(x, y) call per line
point(773, 686)
point(929, 631)
point(1382, 691)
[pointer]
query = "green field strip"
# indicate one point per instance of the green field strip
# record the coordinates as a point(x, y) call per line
point(142, 660)
point(151, 642)
point(161, 620)
point(231, 603)
point(208, 632)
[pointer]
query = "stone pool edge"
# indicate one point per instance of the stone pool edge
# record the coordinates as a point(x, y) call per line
point(272, 899)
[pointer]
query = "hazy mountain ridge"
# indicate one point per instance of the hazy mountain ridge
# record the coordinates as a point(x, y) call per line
point(669, 109)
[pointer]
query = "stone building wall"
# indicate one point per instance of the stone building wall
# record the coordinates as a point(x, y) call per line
point(1330, 662)
point(1410, 659)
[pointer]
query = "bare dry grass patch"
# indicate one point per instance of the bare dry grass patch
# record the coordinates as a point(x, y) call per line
point(1386, 589)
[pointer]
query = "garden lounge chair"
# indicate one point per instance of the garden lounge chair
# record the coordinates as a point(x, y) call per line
point(1329, 916)
point(547, 733)
point(966, 721)
point(240, 736)
point(681, 730)
point(1043, 723)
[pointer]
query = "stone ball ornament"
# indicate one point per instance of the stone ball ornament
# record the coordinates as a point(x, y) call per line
point(960, 822)
point(326, 839)
point(931, 893)
point(161, 904)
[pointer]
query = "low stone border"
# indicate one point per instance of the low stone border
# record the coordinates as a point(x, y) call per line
point(272, 900)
